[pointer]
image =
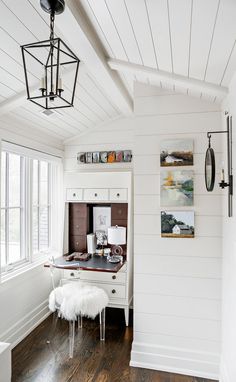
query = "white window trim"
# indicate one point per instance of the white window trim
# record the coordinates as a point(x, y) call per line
point(56, 177)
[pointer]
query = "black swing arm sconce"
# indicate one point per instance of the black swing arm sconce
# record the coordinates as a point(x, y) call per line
point(210, 164)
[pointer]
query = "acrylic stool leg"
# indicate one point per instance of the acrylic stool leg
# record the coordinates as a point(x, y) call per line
point(71, 338)
point(102, 317)
point(80, 322)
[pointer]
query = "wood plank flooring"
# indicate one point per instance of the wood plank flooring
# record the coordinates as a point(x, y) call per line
point(35, 360)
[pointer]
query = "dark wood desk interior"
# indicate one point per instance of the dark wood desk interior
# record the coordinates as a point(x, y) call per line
point(96, 263)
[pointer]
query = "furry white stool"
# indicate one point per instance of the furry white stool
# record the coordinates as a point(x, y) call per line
point(76, 300)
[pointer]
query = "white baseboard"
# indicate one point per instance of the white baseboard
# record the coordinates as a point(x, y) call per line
point(17, 332)
point(173, 360)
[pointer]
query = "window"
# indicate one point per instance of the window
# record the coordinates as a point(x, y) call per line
point(26, 206)
point(41, 206)
point(12, 209)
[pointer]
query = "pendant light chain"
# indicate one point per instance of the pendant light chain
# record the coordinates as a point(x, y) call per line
point(52, 18)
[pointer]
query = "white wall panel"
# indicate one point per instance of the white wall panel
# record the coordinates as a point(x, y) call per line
point(154, 244)
point(200, 308)
point(186, 272)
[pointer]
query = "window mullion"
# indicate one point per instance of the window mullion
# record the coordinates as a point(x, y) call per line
point(29, 206)
point(39, 188)
point(49, 202)
point(7, 210)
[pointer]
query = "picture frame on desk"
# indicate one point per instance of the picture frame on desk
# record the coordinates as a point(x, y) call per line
point(101, 218)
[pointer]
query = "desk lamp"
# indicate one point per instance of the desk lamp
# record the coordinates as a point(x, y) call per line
point(116, 237)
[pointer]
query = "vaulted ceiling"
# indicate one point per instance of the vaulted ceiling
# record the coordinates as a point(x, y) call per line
point(185, 46)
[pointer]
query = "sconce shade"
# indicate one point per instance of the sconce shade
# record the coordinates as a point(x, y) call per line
point(48, 62)
point(117, 235)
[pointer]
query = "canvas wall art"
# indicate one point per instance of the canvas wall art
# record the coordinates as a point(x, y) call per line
point(176, 188)
point(177, 224)
point(177, 152)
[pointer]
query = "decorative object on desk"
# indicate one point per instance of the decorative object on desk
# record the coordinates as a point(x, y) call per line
point(176, 188)
point(210, 164)
point(107, 252)
point(177, 224)
point(79, 256)
point(104, 157)
point(116, 237)
point(101, 241)
point(69, 257)
point(176, 153)
point(101, 218)
point(91, 243)
point(96, 157)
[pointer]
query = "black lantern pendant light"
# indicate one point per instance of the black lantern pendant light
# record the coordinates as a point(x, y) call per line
point(54, 63)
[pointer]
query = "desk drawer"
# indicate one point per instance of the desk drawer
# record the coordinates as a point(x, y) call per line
point(71, 274)
point(116, 278)
point(113, 291)
point(118, 194)
point(96, 194)
point(74, 194)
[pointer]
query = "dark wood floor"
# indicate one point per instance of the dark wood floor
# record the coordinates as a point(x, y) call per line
point(35, 360)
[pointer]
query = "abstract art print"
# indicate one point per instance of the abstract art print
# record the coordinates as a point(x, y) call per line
point(101, 218)
point(176, 188)
point(177, 224)
point(177, 152)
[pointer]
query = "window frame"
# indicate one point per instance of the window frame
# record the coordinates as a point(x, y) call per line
point(39, 205)
point(6, 208)
point(31, 259)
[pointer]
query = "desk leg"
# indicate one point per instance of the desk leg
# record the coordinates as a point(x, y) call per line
point(126, 309)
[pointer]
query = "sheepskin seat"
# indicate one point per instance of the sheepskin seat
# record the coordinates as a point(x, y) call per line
point(77, 299)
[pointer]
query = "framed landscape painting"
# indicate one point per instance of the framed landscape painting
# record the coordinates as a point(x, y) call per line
point(178, 152)
point(177, 224)
point(176, 188)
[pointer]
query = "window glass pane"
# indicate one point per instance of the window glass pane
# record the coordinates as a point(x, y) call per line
point(35, 182)
point(3, 179)
point(44, 232)
point(35, 230)
point(14, 235)
point(43, 183)
point(14, 180)
point(3, 242)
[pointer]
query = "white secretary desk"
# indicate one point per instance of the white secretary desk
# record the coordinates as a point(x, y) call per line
point(100, 188)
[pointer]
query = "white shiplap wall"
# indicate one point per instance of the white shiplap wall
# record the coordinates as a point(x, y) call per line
point(117, 135)
point(228, 365)
point(177, 282)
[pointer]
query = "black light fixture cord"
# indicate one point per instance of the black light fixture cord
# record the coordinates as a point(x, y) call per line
point(52, 18)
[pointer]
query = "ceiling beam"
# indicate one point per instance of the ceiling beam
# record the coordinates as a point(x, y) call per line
point(169, 78)
point(75, 26)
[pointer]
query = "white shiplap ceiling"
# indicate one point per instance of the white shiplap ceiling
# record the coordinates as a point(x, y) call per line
point(191, 39)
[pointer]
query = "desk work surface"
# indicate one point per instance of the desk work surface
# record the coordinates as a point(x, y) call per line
point(96, 263)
